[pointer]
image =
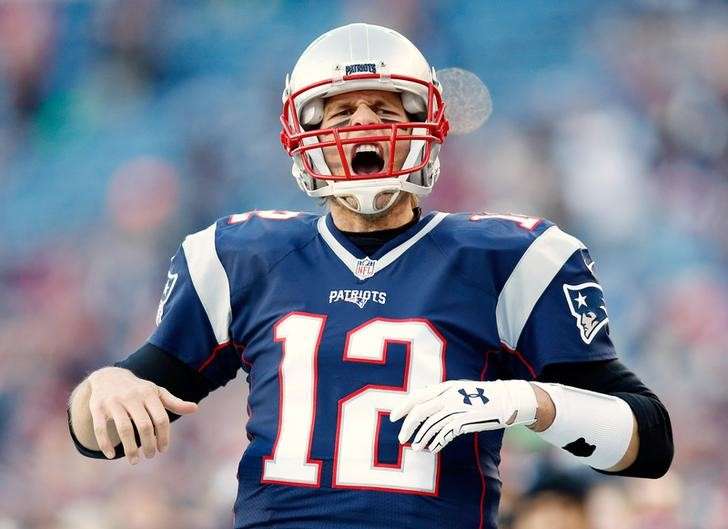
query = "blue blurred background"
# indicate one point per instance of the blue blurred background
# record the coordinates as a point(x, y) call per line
point(125, 125)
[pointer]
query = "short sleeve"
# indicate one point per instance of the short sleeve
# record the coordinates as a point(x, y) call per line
point(194, 313)
point(552, 308)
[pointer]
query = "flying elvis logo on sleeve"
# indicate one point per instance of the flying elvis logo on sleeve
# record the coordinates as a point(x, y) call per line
point(586, 304)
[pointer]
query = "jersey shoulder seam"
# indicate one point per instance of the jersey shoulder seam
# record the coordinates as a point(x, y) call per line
point(224, 224)
point(295, 248)
point(461, 277)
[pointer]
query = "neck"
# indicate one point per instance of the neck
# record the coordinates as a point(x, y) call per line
point(398, 215)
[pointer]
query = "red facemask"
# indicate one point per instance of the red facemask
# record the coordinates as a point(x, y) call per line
point(435, 127)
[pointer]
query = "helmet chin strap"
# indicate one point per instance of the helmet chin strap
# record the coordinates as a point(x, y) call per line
point(366, 201)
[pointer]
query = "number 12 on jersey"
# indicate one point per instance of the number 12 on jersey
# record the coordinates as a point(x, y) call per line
point(360, 413)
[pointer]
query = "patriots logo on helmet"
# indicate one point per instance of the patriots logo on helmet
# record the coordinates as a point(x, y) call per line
point(586, 304)
point(369, 67)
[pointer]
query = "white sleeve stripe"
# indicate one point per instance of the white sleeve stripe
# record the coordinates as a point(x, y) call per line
point(210, 280)
point(529, 279)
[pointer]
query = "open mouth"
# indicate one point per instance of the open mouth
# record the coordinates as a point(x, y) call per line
point(367, 159)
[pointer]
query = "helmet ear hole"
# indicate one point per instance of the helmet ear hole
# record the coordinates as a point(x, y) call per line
point(312, 113)
point(413, 104)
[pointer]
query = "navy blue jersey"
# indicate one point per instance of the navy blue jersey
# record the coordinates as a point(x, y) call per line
point(333, 339)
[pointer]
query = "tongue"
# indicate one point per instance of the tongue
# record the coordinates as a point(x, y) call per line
point(367, 162)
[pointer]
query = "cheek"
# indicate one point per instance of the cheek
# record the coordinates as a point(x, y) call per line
point(331, 157)
point(401, 152)
point(331, 154)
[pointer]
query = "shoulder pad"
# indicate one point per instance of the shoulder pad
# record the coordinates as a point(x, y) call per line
point(258, 239)
point(490, 246)
point(266, 230)
point(490, 231)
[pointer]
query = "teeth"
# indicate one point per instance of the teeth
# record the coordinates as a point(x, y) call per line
point(366, 147)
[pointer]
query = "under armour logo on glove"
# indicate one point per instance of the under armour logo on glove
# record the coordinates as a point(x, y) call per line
point(580, 448)
point(467, 396)
point(437, 414)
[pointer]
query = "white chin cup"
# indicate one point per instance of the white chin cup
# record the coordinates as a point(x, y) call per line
point(366, 202)
point(365, 193)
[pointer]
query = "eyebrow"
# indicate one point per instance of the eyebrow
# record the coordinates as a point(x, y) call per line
point(375, 102)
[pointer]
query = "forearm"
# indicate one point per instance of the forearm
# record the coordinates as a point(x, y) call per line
point(650, 449)
point(633, 449)
point(655, 450)
point(546, 413)
point(597, 429)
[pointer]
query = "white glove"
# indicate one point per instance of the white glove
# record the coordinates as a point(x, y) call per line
point(444, 411)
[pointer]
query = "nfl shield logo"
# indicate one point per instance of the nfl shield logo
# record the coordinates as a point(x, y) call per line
point(364, 268)
point(586, 304)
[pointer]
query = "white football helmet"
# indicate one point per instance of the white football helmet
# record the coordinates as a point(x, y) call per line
point(363, 57)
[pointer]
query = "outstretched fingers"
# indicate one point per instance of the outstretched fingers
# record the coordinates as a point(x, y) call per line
point(139, 415)
point(101, 430)
point(125, 429)
point(176, 404)
point(160, 419)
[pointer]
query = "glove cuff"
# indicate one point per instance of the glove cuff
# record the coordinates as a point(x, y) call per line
point(523, 399)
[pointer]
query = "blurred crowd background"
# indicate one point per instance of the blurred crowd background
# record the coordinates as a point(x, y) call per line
point(125, 125)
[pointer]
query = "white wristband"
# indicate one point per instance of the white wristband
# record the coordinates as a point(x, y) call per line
point(594, 427)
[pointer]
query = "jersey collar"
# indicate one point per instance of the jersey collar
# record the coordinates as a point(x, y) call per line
point(363, 266)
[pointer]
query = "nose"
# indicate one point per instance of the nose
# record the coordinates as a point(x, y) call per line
point(364, 115)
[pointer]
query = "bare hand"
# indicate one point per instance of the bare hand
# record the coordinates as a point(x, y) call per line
point(119, 400)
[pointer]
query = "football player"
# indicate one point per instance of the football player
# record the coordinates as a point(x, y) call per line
point(386, 349)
